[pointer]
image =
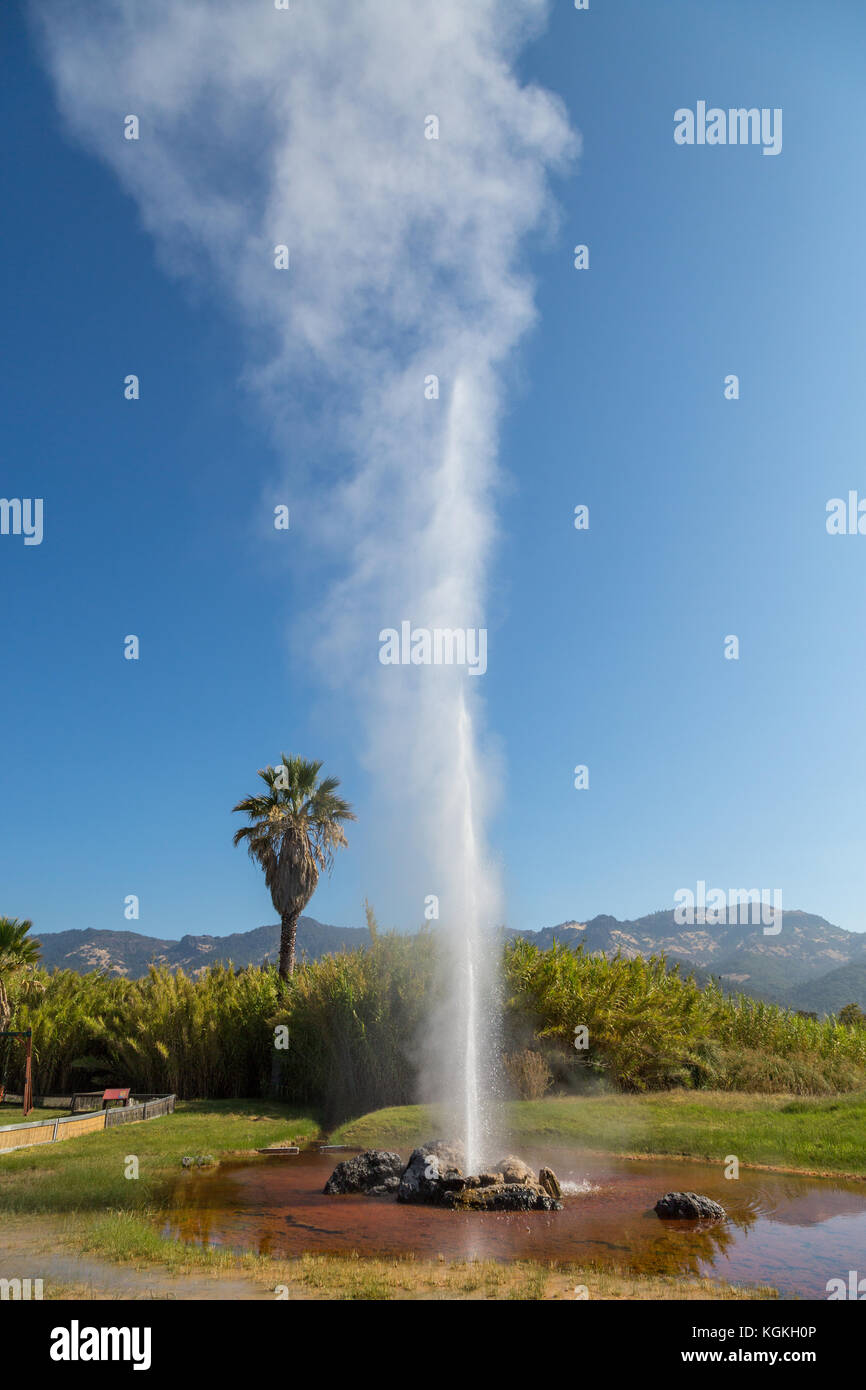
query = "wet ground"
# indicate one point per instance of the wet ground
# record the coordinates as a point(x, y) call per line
point(793, 1233)
point(26, 1253)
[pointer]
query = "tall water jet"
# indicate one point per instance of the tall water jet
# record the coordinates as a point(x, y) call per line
point(471, 1084)
point(469, 943)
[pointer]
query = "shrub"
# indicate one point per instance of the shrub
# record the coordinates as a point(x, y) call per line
point(529, 1074)
point(749, 1069)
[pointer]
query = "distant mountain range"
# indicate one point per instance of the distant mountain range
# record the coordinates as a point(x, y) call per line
point(129, 953)
point(809, 965)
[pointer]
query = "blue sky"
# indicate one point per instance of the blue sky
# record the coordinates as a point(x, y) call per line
point(707, 516)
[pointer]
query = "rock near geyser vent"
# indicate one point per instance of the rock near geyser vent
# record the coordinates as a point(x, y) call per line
point(377, 1171)
point(434, 1176)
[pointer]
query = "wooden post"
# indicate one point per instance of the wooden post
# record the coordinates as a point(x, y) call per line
point(27, 1035)
point(28, 1072)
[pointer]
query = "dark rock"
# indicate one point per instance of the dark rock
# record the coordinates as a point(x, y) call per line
point(452, 1183)
point(502, 1196)
point(433, 1170)
point(688, 1206)
point(385, 1189)
point(365, 1172)
point(549, 1182)
point(488, 1179)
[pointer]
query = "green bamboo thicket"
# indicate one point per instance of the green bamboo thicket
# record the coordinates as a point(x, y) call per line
point(353, 1025)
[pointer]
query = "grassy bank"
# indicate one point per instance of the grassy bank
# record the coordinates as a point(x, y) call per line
point(88, 1174)
point(822, 1135)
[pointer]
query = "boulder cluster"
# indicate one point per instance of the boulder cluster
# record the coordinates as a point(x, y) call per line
point(435, 1175)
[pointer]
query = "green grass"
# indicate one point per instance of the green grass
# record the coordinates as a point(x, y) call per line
point(825, 1135)
point(87, 1174)
point(399, 1127)
point(350, 1277)
point(14, 1115)
point(128, 1237)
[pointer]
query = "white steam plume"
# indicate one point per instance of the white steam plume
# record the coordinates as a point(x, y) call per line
point(306, 127)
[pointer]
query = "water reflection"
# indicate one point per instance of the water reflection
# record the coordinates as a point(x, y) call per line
point(793, 1233)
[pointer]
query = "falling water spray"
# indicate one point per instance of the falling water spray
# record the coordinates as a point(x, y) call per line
point(476, 1037)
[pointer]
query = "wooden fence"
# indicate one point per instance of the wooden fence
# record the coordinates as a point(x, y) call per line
point(144, 1110)
point(77, 1101)
point(24, 1136)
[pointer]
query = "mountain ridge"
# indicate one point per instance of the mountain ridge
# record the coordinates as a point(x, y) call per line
point(809, 964)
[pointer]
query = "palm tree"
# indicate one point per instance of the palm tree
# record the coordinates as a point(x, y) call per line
point(18, 951)
point(295, 828)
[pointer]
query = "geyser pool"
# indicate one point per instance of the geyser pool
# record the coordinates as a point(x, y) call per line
point(792, 1232)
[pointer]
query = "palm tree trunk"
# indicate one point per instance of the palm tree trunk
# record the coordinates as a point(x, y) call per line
point(288, 932)
point(5, 1011)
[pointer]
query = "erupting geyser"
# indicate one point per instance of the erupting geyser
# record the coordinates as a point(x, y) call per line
point(392, 156)
point(470, 958)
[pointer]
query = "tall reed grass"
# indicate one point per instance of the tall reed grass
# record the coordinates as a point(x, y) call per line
point(649, 1027)
point(355, 1024)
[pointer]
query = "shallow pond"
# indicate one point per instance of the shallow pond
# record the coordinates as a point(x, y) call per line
point(793, 1233)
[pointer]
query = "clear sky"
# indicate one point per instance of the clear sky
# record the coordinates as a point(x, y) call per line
point(606, 646)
